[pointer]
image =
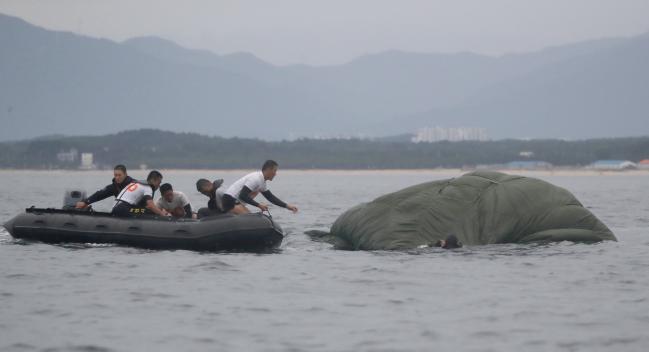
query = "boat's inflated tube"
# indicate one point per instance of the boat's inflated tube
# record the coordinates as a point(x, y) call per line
point(249, 232)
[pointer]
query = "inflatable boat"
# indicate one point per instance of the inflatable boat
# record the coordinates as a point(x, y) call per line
point(254, 232)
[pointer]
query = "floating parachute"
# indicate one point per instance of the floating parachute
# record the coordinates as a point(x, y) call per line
point(481, 207)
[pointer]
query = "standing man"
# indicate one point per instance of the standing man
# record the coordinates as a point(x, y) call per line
point(137, 197)
point(174, 202)
point(247, 187)
point(120, 181)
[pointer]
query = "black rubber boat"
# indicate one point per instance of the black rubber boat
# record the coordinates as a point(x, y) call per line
point(254, 232)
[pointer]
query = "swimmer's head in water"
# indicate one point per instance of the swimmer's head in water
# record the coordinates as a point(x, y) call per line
point(450, 242)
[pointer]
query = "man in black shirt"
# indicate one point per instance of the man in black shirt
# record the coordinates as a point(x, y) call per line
point(209, 189)
point(120, 181)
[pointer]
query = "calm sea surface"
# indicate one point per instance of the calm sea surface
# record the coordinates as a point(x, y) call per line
point(309, 297)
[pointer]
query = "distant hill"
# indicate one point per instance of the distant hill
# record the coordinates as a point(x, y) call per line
point(598, 94)
point(61, 83)
point(54, 82)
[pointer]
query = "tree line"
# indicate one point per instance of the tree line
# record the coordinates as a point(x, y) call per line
point(163, 149)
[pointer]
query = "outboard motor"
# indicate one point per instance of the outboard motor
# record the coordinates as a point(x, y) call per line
point(71, 198)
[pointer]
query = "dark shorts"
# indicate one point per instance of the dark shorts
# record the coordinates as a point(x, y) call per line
point(228, 203)
point(123, 210)
point(207, 212)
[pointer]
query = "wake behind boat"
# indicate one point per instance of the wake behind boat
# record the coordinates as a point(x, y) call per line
point(249, 233)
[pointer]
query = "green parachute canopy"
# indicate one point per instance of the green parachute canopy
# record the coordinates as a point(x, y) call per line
point(479, 208)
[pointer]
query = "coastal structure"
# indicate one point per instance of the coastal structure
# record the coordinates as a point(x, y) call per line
point(87, 161)
point(69, 156)
point(528, 165)
point(515, 165)
point(437, 134)
point(643, 164)
point(613, 165)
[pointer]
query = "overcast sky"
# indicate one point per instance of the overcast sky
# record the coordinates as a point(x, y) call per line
point(335, 31)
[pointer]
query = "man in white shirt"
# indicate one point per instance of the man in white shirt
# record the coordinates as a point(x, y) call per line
point(137, 197)
point(174, 202)
point(247, 187)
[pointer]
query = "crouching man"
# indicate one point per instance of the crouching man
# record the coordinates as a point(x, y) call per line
point(174, 202)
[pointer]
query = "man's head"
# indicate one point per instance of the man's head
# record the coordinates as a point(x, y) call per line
point(450, 242)
point(204, 186)
point(154, 179)
point(167, 192)
point(269, 169)
point(119, 172)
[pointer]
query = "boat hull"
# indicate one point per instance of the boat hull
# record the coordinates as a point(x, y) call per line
point(249, 233)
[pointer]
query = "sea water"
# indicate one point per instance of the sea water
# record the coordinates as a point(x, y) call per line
point(309, 297)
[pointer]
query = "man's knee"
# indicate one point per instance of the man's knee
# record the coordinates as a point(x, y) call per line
point(178, 212)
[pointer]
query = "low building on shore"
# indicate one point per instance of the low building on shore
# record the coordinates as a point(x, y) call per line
point(69, 156)
point(457, 134)
point(613, 165)
point(529, 165)
point(643, 164)
point(513, 165)
point(87, 162)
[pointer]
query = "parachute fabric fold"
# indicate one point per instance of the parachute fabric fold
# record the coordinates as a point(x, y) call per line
point(481, 207)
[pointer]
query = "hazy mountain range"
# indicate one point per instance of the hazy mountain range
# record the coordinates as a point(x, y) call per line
point(62, 83)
